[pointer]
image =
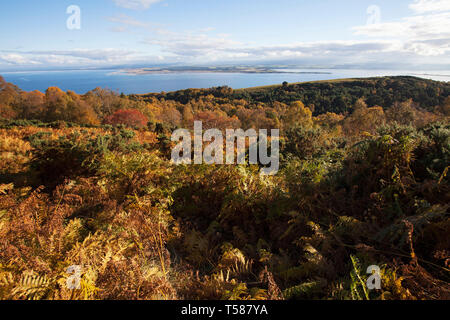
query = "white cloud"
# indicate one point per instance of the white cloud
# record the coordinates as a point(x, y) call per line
point(428, 26)
point(125, 23)
point(136, 4)
point(424, 35)
point(76, 57)
point(192, 45)
point(420, 38)
point(17, 59)
point(201, 48)
point(423, 6)
point(412, 38)
point(129, 21)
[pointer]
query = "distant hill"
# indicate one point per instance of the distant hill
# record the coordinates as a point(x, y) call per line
point(340, 95)
point(337, 96)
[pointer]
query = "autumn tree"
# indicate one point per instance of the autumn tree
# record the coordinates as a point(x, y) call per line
point(329, 119)
point(32, 105)
point(298, 116)
point(188, 116)
point(56, 103)
point(129, 117)
point(80, 111)
point(402, 112)
point(105, 102)
point(9, 99)
point(364, 119)
point(217, 120)
point(170, 115)
point(445, 107)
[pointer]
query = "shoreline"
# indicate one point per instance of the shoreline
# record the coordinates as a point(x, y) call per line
point(145, 71)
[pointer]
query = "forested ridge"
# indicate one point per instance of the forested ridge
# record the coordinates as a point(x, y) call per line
point(338, 96)
point(86, 180)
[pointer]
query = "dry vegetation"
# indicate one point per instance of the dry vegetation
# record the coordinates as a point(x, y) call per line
point(366, 187)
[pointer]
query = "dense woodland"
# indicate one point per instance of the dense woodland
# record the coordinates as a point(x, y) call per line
point(87, 180)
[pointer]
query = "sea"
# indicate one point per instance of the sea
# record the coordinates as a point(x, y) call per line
point(82, 81)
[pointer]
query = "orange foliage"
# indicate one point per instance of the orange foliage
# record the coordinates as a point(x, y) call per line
point(214, 120)
point(132, 118)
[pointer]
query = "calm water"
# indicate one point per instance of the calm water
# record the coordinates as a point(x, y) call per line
point(83, 81)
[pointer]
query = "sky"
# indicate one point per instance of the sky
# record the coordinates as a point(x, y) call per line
point(50, 34)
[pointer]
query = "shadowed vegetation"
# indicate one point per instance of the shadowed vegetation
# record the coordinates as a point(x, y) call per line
point(86, 180)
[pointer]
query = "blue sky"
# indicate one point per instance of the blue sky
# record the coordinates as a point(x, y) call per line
point(150, 32)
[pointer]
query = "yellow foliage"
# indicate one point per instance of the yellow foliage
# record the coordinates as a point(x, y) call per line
point(298, 115)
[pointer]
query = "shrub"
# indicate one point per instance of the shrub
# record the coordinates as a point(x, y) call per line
point(74, 156)
point(131, 118)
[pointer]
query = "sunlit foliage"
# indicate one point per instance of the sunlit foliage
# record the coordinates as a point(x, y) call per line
point(364, 180)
